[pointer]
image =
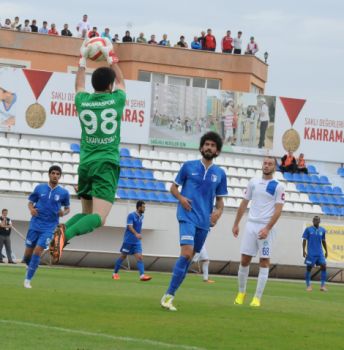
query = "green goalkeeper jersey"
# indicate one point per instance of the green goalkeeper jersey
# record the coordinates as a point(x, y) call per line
point(100, 117)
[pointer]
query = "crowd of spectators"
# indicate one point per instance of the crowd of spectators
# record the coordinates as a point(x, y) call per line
point(292, 165)
point(206, 41)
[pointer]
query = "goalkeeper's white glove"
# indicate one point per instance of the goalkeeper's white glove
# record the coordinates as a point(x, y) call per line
point(83, 54)
point(109, 55)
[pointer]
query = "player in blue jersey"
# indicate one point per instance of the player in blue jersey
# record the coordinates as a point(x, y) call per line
point(314, 239)
point(132, 242)
point(45, 205)
point(202, 183)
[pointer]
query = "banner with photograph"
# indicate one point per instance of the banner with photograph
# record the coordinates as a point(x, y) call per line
point(335, 242)
point(42, 103)
point(180, 115)
point(301, 130)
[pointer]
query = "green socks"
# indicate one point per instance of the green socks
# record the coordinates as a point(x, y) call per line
point(85, 223)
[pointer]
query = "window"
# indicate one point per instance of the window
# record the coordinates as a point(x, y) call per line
point(5, 62)
point(144, 76)
point(172, 80)
point(256, 89)
point(158, 78)
point(198, 82)
point(213, 84)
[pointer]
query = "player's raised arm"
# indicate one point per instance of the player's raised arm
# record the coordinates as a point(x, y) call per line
point(81, 73)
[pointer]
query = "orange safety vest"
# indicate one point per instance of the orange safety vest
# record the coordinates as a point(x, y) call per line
point(289, 160)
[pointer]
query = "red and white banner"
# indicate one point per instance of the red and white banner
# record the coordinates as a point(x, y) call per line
point(54, 93)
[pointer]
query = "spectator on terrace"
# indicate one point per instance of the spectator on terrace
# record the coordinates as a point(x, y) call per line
point(106, 34)
point(227, 43)
point(195, 44)
point(152, 40)
point(7, 24)
point(34, 28)
point(288, 163)
point(237, 44)
point(65, 31)
point(116, 39)
point(201, 40)
point(93, 33)
point(27, 27)
point(182, 42)
point(141, 39)
point(15, 25)
point(53, 30)
point(210, 41)
point(127, 38)
point(252, 47)
point(164, 41)
point(83, 27)
point(301, 164)
point(44, 29)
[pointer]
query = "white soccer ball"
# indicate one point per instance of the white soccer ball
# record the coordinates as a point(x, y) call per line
point(95, 46)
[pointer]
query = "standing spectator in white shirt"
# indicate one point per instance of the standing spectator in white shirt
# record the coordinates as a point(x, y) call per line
point(237, 44)
point(264, 118)
point(252, 47)
point(7, 24)
point(83, 26)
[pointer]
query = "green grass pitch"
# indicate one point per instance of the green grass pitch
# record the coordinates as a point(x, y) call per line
point(84, 309)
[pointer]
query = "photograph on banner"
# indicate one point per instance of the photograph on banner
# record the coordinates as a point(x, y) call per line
point(335, 242)
point(181, 114)
point(8, 100)
point(178, 115)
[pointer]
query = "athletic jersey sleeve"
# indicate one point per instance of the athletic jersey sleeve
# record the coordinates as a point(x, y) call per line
point(181, 176)
point(280, 194)
point(120, 97)
point(130, 219)
point(34, 196)
point(66, 200)
point(248, 191)
point(221, 189)
point(306, 234)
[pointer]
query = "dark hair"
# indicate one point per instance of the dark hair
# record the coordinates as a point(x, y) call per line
point(211, 136)
point(56, 168)
point(271, 157)
point(4, 210)
point(139, 204)
point(103, 77)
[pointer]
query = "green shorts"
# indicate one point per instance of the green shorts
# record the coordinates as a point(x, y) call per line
point(98, 179)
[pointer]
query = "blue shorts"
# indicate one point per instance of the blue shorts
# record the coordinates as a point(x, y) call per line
point(315, 260)
point(131, 248)
point(189, 234)
point(37, 238)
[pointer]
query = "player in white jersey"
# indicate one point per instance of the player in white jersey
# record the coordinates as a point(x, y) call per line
point(203, 259)
point(267, 196)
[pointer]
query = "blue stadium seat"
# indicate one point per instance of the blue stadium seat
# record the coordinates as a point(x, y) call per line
point(337, 211)
point(132, 194)
point(288, 176)
point(125, 162)
point(301, 188)
point(136, 163)
point(123, 194)
point(324, 180)
point(160, 186)
point(323, 199)
point(122, 182)
point(297, 178)
point(314, 198)
point(306, 178)
point(310, 189)
point(148, 175)
point(337, 191)
point(342, 211)
point(312, 169)
point(332, 200)
point(131, 183)
point(340, 171)
point(124, 173)
point(315, 179)
point(140, 184)
point(139, 174)
point(75, 147)
point(340, 200)
point(124, 152)
point(318, 189)
point(327, 210)
point(152, 196)
point(150, 185)
point(327, 190)
point(142, 195)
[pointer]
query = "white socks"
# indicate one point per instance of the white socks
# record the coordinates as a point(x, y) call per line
point(242, 278)
point(262, 279)
point(205, 269)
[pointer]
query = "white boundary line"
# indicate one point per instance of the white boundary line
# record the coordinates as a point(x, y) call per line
point(103, 335)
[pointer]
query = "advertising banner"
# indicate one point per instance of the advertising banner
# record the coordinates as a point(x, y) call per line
point(42, 103)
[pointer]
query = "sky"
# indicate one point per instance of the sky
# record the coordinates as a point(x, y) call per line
point(304, 39)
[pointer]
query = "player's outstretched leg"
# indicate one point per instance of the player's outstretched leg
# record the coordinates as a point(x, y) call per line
point(323, 277)
point(308, 278)
point(261, 283)
point(242, 283)
point(58, 243)
point(141, 268)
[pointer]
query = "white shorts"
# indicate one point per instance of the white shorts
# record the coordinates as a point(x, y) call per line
point(251, 245)
point(201, 256)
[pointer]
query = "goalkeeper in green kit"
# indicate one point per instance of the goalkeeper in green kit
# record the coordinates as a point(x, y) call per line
point(100, 116)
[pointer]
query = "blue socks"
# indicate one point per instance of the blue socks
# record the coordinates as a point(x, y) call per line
point(35, 259)
point(178, 275)
point(118, 265)
point(308, 278)
point(323, 276)
point(141, 267)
